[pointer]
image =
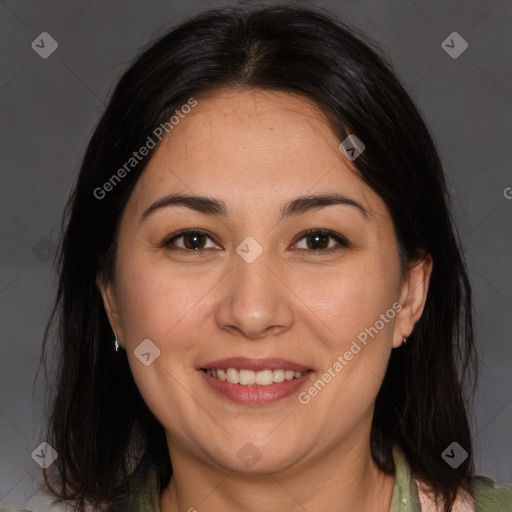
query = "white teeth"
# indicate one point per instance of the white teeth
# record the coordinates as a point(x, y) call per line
point(264, 377)
point(278, 375)
point(250, 378)
point(232, 375)
point(247, 378)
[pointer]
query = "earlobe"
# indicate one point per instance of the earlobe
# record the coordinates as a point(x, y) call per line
point(413, 297)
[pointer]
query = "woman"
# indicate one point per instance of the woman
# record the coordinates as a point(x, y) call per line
point(263, 303)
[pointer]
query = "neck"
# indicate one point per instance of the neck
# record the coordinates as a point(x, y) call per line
point(345, 480)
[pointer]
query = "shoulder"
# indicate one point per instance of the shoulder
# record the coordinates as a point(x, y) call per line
point(491, 496)
point(488, 496)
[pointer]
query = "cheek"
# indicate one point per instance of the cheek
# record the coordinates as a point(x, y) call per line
point(159, 305)
point(349, 300)
point(355, 313)
point(165, 309)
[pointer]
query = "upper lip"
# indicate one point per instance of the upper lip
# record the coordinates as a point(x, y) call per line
point(268, 363)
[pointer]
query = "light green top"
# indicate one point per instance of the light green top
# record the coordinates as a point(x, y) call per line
point(489, 496)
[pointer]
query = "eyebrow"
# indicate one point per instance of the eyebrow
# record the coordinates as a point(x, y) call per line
point(217, 207)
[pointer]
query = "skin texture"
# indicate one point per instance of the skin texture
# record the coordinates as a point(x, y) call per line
point(257, 150)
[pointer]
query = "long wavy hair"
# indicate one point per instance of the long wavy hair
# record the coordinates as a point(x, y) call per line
point(97, 420)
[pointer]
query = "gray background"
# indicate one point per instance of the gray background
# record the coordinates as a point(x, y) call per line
point(49, 108)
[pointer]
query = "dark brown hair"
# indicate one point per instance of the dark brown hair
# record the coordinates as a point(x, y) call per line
point(99, 424)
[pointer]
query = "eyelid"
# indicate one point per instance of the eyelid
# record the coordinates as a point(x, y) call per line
point(168, 241)
point(340, 239)
point(342, 242)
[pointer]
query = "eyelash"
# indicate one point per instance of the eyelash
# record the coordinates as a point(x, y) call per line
point(341, 240)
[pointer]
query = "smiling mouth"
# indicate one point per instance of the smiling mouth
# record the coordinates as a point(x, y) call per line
point(246, 377)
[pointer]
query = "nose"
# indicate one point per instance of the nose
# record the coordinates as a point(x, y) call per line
point(255, 303)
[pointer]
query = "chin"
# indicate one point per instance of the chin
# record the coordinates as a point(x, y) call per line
point(243, 456)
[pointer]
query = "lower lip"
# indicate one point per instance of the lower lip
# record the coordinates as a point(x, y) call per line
point(256, 395)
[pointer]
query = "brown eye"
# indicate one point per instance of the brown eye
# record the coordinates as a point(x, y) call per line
point(194, 241)
point(315, 242)
point(189, 241)
point(323, 241)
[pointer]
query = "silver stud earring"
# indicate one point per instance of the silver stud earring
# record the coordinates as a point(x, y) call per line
point(116, 342)
point(404, 339)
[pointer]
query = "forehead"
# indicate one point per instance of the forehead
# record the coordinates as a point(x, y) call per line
point(252, 145)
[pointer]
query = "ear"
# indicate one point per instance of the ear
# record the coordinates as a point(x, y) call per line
point(413, 295)
point(106, 288)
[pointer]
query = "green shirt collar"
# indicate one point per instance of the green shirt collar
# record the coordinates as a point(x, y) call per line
point(488, 494)
point(405, 497)
point(146, 497)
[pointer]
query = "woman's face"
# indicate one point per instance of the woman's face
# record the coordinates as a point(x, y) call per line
point(253, 285)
